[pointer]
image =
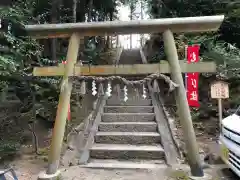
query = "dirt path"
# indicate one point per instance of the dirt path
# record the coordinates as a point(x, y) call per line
point(28, 167)
point(76, 173)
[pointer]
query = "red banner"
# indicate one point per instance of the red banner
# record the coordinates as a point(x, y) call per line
point(193, 54)
point(192, 78)
point(192, 89)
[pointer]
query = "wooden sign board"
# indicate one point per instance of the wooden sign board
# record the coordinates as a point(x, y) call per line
point(219, 90)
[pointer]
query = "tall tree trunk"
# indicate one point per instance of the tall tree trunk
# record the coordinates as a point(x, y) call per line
point(90, 6)
point(54, 19)
point(107, 43)
point(109, 39)
point(89, 18)
point(131, 18)
point(74, 11)
point(32, 127)
point(142, 35)
point(81, 11)
point(81, 17)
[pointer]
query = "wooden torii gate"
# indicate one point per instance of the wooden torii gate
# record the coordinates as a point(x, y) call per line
point(166, 26)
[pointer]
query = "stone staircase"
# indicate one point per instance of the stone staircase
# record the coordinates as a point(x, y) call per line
point(132, 135)
point(130, 56)
point(127, 136)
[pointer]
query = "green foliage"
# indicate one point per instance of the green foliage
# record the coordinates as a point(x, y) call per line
point(20, 12)
point(227, 57)
point(222, 47)
point(230, 29)
point(8, 148)
point(91, 51)
point(214, 46)
point(21, 51)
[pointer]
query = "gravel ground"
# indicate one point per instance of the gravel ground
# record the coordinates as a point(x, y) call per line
point(76, 173)
point(28, 168)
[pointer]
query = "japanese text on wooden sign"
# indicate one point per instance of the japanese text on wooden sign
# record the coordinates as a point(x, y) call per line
point(192, 53)
point(219, 90)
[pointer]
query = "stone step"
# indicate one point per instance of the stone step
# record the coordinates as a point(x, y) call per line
point(128, 109)
point(126, 151)
point(128, 137)
point(128, 117)
point(128, 126)
point(125, 164)
point(131, 102)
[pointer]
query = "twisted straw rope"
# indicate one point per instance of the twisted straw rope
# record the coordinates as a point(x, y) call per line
point(172, 85)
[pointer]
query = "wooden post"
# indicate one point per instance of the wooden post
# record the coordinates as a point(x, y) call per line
point(64, 100)
point(183, 108)
point(220, 112)
point(219, 91)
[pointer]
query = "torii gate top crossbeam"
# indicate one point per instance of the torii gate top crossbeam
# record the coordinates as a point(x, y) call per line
point(176, 25)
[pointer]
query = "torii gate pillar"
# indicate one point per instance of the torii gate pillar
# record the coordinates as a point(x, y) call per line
point(182, 105)
point(60, 121)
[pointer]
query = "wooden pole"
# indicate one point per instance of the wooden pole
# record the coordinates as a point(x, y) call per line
point(220, 112)
point(62, 110)
point(183, 108)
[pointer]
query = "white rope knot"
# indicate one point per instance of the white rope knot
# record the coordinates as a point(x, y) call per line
point(94, 88)
point(109, 89)
point(125, 90)
point(144, 95)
